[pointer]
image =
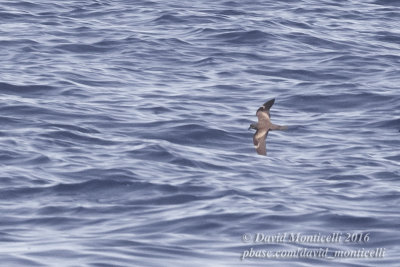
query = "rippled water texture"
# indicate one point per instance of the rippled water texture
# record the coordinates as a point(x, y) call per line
point(124, 141)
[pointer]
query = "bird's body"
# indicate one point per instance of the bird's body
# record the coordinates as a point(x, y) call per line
point(263, 126)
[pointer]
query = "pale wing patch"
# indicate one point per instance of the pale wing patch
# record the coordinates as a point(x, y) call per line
point(263, 117)
point(259, 141)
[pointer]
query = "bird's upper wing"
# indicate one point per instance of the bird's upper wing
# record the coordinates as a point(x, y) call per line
point(259, 141)
point(267, 105)
point(263, 112)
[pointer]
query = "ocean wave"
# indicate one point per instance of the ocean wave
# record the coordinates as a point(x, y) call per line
point(124, 129)
point(244, 37)
point(7, 88)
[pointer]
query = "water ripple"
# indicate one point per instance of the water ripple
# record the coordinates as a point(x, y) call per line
point(124, 140)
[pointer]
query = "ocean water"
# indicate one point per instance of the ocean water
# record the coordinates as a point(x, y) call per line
point(124, 141)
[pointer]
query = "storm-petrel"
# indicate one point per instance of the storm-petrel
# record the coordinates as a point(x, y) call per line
point(263, 126)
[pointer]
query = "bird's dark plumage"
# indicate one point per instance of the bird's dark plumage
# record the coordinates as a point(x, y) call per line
point(267, 105)
point(263, 126)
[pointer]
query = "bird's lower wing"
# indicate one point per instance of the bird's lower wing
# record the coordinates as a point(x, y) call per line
point(259, 141)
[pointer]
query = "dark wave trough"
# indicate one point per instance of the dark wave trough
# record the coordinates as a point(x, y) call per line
point(124, 142)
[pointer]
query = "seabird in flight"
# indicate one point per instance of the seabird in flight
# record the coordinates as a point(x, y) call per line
point(263, 126)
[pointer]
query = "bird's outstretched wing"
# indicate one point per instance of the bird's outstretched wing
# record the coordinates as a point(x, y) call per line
point(263, 112)
point(259, 141)
point(267, 105)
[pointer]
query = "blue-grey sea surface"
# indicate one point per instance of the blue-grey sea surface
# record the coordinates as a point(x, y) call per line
point(124, 141)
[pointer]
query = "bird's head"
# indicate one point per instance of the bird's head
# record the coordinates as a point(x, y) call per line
point(253, 126)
